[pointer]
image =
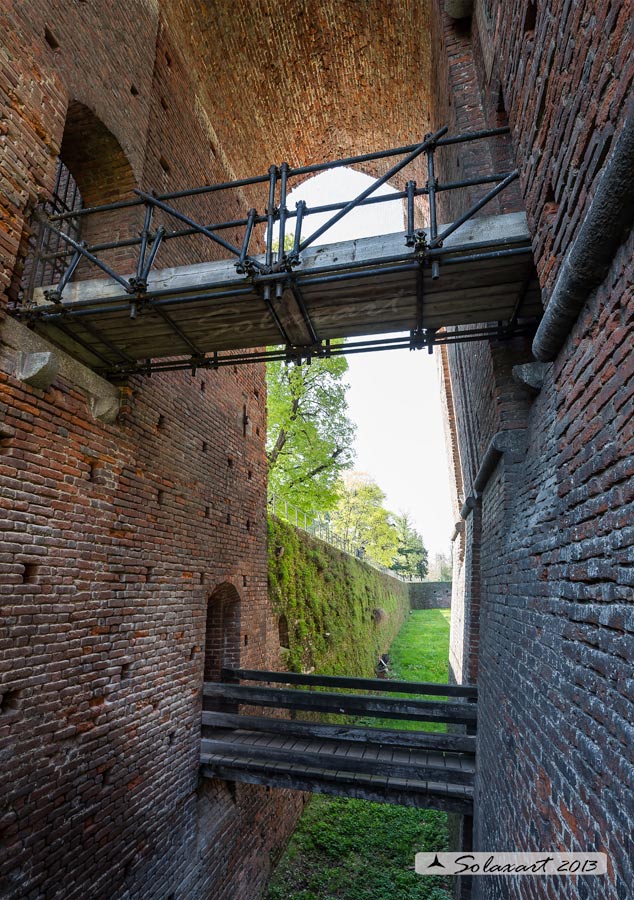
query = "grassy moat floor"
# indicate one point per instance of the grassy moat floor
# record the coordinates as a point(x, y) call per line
point(355, 850)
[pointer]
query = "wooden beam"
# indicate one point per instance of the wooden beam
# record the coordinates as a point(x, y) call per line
point(346, 704)
point(435, 769)
point(403, 792)
point(345, 681)
point(389, 737)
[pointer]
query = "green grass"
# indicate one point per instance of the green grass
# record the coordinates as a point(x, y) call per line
point(419, 653)
point(421, 649)
point(356, 850)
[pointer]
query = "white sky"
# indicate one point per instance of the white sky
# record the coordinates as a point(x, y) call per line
point(394, 396)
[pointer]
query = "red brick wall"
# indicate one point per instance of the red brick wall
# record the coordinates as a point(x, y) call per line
point(566, 79)
point(555, 550)
point(114, 537)
point(557, 628)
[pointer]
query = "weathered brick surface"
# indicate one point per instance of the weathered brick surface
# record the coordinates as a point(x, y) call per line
point(557, 630)
point(567, 75)
point(430, 595)
point(551, 564)
point(114, 537)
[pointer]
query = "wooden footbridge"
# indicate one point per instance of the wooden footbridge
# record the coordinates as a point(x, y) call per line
point(391, 765)
point(377, 293)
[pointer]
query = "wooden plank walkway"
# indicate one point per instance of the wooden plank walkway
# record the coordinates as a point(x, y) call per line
point(377, 292)
point(411, 768)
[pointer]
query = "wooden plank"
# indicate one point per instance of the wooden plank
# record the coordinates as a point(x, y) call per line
point(61, 339)
point(431, 688)
point(345, 704)
point(497, 307)
point(466, 293)
point(333, 760)
point(439, 741)
point(476, 232)
point(232, 328)
point(465, 296)
point(451, 278)
point(459, 799)
point(160, 340)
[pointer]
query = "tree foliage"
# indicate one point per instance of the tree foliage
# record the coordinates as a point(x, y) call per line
point(309, 441)
point(361, 519)
point(411, 555)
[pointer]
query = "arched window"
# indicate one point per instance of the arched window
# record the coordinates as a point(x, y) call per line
point(91, 170)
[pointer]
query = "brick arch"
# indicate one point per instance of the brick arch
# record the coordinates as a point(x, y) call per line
point(95, 157)
point(222, 631)
point(336, 67)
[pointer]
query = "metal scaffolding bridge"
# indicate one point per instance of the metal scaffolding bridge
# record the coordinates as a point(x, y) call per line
point(390, 765)
point(468, 280)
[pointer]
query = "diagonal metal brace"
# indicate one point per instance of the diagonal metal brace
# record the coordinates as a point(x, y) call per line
point(192, 224)
point(55, 296)
point(438, 241)
point(429, 141)
point(80, 248)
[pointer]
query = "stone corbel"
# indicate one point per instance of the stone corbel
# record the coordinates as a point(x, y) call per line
point(531, 376)
point(39, 369)
point(34, 361)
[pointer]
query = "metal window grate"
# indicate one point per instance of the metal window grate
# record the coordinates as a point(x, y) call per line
point(48, 255)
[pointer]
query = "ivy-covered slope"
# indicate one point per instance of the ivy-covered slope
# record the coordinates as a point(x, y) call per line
point(340, 614)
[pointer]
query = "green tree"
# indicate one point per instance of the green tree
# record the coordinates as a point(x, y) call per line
point(446, 568)
point(309, 440)
point(361, 519)
point(411, 555)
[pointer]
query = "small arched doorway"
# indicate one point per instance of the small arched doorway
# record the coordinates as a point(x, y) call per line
point(222, 631)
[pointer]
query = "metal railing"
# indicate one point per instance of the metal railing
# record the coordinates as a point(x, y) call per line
point(321, 529)
point(279, 268)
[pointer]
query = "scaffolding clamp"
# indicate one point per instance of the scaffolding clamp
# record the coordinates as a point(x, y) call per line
point(53, 296)
point(420, 245)
point(137, 286)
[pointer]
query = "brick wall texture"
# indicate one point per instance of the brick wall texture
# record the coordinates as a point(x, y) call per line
point(114, 537)
point(543, 582)
point(430, 595)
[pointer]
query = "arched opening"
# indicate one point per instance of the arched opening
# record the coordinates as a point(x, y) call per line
point(338, 186)
point(405, 396)
point(282, 627)
point(222, 635)
point(91, 170)
point(95, 157)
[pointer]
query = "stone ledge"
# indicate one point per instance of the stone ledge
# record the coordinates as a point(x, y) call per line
point(531, 376)
point(33, 360)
